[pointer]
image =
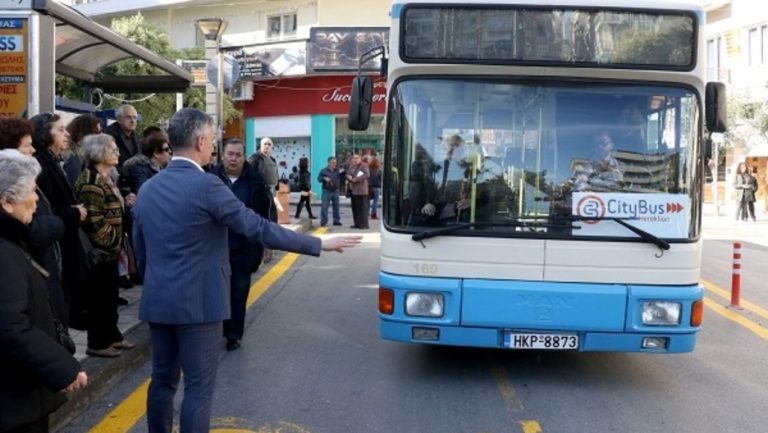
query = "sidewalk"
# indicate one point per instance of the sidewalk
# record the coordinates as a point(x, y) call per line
point(105, 373)
point(725, 227)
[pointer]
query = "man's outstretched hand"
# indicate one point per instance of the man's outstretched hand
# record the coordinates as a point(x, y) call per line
point(338, 243)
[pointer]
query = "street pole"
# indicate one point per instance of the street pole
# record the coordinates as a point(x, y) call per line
point(220, 107)
point(212, 29)
point(211, 91)
point(715, 198)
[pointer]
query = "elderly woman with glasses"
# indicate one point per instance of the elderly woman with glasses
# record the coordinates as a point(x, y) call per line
point(79, 127)
point(34, 367)
point(104, 228)
point(155, 155)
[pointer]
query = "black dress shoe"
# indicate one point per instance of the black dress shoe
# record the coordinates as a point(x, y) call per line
point(338, 224)
point(233, 345)
point(125, 282)
point(353, 227)
point(122, 301)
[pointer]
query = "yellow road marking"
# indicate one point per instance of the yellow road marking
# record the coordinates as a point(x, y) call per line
point(126, 414)
point(725, 294)
point(506, 389)
point(736, 317)
point(530, 426)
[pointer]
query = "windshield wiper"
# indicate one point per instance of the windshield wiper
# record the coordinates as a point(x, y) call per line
point(644, 235)
point(431, 233)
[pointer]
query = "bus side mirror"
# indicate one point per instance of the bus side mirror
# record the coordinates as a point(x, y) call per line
point(361, 101)
point(714, 107)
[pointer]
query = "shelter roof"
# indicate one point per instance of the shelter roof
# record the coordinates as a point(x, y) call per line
point(83, 47)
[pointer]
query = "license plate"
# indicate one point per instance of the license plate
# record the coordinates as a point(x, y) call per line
point(517, 340)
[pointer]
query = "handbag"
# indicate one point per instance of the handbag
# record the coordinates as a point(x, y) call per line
point(63, 337)
point(62, 333)
point(93, 255)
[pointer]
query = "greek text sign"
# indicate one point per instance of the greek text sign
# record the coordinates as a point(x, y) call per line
point(13, 67)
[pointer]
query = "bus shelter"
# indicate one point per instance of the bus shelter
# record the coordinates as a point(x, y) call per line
point(39, 38)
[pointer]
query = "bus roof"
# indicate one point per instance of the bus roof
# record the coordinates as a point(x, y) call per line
point(689, 5)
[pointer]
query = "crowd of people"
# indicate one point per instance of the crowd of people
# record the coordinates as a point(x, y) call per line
point(80, 213)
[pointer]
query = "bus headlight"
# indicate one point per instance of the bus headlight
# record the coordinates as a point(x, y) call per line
point(424, 304)
point(660, 313)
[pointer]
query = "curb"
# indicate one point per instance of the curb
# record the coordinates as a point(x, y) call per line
point(105, 373)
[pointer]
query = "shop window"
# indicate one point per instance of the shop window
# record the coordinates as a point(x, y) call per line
point(287, 151)
point(369, 142)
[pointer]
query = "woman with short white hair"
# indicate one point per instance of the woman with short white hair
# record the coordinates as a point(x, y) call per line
point(104, 228)
point(35, 368)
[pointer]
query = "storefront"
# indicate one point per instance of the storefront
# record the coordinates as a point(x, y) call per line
point(307, 117)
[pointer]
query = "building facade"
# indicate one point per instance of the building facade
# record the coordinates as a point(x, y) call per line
point(736, 35)
point(297, 59)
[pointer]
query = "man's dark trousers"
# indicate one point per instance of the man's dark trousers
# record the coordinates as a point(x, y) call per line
point(195, 349)
point(239, 288)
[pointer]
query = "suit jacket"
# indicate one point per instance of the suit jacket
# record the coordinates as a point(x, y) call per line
point(181, 218)
point(360, 175)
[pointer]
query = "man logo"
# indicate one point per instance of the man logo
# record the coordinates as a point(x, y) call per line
point(591, 206)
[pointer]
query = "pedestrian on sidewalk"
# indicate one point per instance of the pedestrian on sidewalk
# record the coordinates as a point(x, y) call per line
point(305, 188)
point(104, 228)
point(330, 178)
point(264, 164)
point(374, 183)
point(181, 222)
point(746, 186)
point(357, 179)
point(35, 369)
point(244, 254)
point(50, 139)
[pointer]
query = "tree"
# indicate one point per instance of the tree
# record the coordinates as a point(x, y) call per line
point(155, 109)
point(746, 119)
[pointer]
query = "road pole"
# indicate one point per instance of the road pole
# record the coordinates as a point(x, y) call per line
point(736, 277)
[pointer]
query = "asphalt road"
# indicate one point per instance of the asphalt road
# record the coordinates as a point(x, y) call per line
point(312, 362)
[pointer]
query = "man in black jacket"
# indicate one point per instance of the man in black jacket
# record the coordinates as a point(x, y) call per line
point(244, 255)
point(124, 132)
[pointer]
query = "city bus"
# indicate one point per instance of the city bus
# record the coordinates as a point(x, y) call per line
point(543, 173)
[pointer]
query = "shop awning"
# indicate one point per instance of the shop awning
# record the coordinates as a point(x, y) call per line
point(84, 47)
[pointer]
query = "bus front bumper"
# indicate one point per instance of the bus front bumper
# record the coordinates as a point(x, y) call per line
point(495, 338)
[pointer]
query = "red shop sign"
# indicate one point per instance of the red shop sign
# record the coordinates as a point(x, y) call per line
point(309, 95)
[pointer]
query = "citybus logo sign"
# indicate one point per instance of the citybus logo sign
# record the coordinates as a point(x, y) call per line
point(591, 206)
point(599, 206)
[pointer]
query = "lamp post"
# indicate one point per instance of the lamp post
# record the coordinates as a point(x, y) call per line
point(212, 29)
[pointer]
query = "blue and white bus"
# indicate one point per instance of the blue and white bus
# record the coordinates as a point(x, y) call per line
point(543, 171)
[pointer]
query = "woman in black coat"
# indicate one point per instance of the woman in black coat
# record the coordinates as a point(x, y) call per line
point(46, 228)
point(34, 367)
point(50, 139)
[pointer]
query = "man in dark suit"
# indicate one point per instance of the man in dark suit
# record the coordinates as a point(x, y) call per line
point(181, 220)
point(124, 132)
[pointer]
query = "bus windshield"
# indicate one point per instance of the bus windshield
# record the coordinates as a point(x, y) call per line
point(533, 158)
